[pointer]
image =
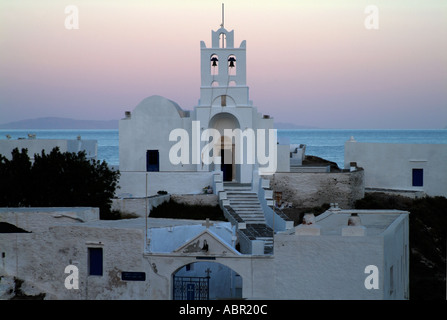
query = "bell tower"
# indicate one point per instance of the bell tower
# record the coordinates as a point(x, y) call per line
point(223, 70)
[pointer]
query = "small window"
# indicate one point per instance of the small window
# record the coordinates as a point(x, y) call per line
point(152, 160)
point(223, 101)
point(418, 177)
point(391, 280)
point(95, 261)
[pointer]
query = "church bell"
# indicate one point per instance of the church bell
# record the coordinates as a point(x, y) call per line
point(214, 60)
point(231, 60)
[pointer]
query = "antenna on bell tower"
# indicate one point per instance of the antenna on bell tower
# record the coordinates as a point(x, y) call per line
point(223, 12)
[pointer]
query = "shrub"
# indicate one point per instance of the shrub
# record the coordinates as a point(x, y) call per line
point(175, 210)
point(57, 180)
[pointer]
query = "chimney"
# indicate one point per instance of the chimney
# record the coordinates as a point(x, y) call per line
point(308, 227)
point(334, 207)
point(355, 227)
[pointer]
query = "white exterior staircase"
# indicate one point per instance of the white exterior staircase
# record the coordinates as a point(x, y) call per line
point(246, 211)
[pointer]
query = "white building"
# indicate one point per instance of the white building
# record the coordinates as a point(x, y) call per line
point(408, 169)
point(258, 254)
point(150, 135)
point(183, 259)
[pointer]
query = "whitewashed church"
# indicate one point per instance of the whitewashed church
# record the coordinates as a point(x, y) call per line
point(68, 253)
point(224, 133)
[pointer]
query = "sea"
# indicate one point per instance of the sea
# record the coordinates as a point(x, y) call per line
point(324, 143)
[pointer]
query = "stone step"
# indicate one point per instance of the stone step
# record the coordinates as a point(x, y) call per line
point(242, 196)
point(247, 206)
point(252, 212)
point(266, 239)
point(248, 222)
point(240, 191)
point(243, 214)
point(245, 203)
point(236, 188)
point(250, 215)
point(252, 218)
point(231, 183)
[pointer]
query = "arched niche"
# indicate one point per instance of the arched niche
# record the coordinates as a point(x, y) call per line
point(224, 101)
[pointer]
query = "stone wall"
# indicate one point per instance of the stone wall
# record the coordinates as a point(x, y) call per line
point(139, 206)
point(309, 189)
point(40, 258)
point(197, 199)
point(41, 219)
point(133, 184)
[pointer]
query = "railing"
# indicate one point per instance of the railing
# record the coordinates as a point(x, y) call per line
point(191, 288)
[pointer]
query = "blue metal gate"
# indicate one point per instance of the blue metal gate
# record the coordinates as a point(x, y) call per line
point(191, 288)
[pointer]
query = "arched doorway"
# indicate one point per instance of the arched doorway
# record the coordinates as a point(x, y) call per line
point(206, 280)
point(220, 122)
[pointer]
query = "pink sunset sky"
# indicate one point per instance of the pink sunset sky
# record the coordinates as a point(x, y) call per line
point(309, 62)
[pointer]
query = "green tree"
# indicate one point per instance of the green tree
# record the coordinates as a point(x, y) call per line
point(57, 180)
point(14, 179)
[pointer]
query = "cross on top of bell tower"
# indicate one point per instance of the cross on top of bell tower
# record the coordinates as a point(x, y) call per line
point(223, 15)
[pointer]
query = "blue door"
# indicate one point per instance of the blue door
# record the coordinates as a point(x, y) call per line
point(227, 168)
point(152, 160)
point(95, 261)
point(418, 177)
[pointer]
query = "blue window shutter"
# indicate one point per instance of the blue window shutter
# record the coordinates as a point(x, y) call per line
point(95, 261)
point(418, 177)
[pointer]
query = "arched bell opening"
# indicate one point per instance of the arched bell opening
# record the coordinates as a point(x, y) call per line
point(222, 40)
point(214, 64)
point(232, 65)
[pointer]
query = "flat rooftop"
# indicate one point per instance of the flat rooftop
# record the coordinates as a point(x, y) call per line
point(375, 221)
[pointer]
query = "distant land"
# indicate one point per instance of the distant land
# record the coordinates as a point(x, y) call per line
point(60, 123)
point(67, 123)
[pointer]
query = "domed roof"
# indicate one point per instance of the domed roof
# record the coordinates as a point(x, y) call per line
point(159, 106)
